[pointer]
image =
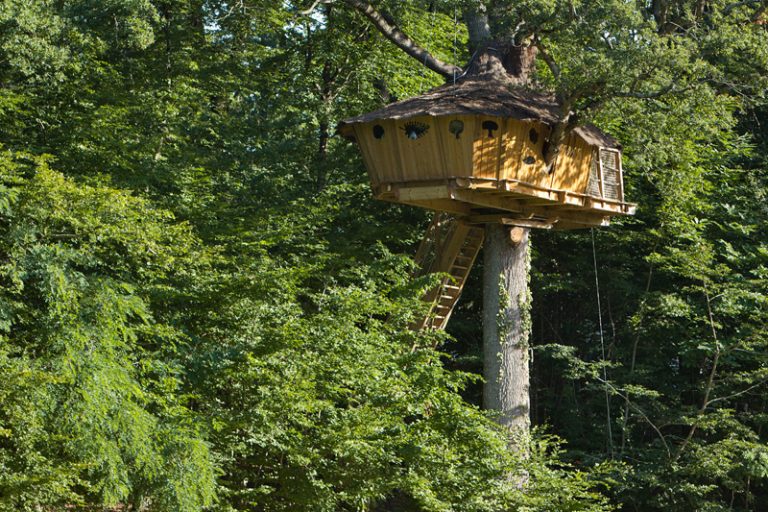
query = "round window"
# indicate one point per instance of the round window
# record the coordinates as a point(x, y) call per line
point(455, 127)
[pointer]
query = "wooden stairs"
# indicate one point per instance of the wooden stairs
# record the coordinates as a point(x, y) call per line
point(449, 246)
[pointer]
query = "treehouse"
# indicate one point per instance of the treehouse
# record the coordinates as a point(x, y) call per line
point(475, 152)
point(477, 149)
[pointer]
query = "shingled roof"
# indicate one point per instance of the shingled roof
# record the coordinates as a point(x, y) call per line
point(481, 95)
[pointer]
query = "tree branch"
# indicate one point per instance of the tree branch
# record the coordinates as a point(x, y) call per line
point(710, 385)
point(759, 12)
point(557, 135)
point(402, 41)
point(668, 89)
point(645, 95)
point(738, 393)
point(311, 8)
point(640, 412)
point(550, 61)
point(633, 361)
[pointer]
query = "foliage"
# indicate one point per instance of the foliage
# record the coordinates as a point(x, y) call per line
point(91, 408)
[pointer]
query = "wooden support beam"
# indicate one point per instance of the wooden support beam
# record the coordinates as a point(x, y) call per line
point(524, 209)
point(508, 220)
point(464, 196)
point(486, 200)
point(422, 193)
point(438, 205)
point(517, 235)
point(567, 226)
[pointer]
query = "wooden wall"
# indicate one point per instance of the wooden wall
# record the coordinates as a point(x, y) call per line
point(437, 154)
point(522, 157)
point(513, 150)
point(572, 165)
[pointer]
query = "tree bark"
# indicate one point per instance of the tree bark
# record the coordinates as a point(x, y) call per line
point(506, 327)
point(476, 19)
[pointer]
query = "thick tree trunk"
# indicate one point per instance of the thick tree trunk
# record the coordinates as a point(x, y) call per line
point(506, 297)
point(506, 326)
point(494, 53)
point(476, 18)
point(511, 64)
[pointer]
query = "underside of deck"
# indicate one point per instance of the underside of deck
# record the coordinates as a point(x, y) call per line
point(482, 201)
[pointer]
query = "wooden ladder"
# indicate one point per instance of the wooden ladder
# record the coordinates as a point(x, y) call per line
point(449, 246)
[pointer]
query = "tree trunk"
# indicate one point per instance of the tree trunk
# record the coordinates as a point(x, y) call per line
point(506, 297)
point(476, 19)
point(506, 327)
point(494, 53)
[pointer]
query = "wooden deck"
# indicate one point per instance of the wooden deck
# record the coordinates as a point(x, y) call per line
point(513, 202)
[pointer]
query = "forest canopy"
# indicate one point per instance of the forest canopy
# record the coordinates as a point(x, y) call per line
point(203, 308)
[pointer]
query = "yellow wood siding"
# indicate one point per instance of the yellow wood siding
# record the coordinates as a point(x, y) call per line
point(513, 147)
point(486, 148)
point(572, 165)
point(368, 149)
point(456, 152)
point(439, 154)
point(519, 146)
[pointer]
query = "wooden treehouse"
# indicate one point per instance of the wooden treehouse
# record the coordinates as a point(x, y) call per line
point(474, 153)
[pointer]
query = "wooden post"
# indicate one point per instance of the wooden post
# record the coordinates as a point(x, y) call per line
point(506, 326)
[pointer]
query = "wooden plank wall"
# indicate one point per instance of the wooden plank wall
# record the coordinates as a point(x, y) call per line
point(457, 152)
point(572, 166)
point(436, 154)
point(486, 148)
point(439, 154)
point(525, 140)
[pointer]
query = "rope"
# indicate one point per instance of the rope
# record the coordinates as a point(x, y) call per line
point(602, 346)
point(455, 38)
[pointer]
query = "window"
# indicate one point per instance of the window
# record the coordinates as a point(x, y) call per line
point(415, 130)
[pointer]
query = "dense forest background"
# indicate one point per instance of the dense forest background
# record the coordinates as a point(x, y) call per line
point(201, 305)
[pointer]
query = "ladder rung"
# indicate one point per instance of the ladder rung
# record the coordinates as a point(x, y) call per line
point(440, 236)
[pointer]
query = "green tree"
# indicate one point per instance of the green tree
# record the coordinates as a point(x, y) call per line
point(91, 410)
